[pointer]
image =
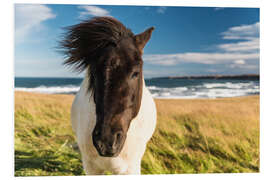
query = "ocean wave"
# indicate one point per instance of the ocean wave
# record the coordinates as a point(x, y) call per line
point(206, 90)
point(203, 90)
point(51, 90)
point(228, 85)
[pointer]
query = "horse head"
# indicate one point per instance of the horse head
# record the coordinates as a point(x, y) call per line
point(113, 56)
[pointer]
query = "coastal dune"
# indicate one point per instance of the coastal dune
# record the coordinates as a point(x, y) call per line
point(192, 136)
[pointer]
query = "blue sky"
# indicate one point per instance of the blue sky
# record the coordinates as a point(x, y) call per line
point(186, 41)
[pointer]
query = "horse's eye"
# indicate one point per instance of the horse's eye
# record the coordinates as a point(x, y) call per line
point(135, 74)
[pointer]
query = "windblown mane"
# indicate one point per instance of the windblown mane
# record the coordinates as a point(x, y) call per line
point(83, 44)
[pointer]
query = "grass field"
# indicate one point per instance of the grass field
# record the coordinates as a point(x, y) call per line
point(192, 136)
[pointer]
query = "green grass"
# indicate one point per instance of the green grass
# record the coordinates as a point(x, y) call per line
point(43, 136)
point(205, 136)
point(192, 136)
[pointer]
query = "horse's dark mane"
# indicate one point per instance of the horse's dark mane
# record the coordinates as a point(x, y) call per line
point(84, 43)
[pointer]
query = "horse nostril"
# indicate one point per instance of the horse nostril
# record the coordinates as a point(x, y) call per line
point(117, 139)
point(118, 136)
point(100, 145)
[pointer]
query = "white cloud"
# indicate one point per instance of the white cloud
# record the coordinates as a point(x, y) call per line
point(202, 58)
point(30, 17)
point(243, 32)
point(161, 10)
point(241, 64)
point(244, 46)
point(240, 61)
point(233, 55)
point(244, 67)
point(93, 11)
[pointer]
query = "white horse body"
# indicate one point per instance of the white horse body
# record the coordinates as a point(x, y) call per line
point(83, 117)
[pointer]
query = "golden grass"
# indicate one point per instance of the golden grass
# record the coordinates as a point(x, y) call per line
point(192, 136)
point(226, 129)
point(230, 118)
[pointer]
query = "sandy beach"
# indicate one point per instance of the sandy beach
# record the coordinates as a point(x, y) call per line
point(192, 136)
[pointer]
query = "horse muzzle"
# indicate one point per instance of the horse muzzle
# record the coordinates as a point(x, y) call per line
point(109, 145)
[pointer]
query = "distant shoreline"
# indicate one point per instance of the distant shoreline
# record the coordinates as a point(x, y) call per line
point(237, 77)
point(226, 77)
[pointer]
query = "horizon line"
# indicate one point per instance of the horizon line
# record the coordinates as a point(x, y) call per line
point(249, 74)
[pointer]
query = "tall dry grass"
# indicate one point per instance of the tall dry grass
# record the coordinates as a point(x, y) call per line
point(199, 136)
point(192, 136)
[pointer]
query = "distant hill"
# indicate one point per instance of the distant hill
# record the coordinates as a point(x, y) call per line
point(238, 77)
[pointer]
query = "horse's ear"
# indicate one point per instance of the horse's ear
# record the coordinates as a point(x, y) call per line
point(142, 38)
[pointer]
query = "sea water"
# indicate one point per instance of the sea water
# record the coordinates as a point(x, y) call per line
point(159, 87)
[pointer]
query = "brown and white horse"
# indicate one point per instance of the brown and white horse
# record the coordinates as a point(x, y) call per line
point(113, 114)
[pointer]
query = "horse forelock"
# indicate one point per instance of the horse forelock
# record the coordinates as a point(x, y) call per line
point(85, 44)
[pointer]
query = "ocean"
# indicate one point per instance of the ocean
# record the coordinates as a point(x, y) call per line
point(159, 87)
